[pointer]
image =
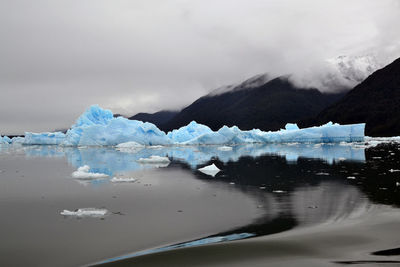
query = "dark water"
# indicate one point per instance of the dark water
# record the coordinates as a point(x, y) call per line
point(261, 190)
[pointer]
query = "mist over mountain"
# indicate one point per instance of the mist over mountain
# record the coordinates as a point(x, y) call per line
point(266, 102)
point(375, 101)
point(255, 103)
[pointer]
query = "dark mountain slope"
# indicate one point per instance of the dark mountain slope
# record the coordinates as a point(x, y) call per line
point(267, 106)
point(375, 101)
point(158, 118)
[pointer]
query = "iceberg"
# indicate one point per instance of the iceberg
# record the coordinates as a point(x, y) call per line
point(83, 173)
point(211, 170)
point(129, 147)
point(98, 127)
point(85, 212)
point(123, 180)
point(5, 140)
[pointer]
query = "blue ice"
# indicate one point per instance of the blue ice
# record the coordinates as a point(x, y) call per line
point(98, 127)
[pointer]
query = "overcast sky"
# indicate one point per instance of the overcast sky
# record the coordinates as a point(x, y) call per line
point(57, 57)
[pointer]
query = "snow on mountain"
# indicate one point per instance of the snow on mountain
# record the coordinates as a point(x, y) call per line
point(355, 68)
point(253, 82)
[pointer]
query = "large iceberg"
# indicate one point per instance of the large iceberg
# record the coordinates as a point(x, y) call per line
point(98, 127)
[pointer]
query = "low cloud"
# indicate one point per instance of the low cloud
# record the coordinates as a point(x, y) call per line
point(58, 57)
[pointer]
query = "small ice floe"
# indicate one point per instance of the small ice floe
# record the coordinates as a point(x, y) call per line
point(155, 147)
point(376, 157)
point(210, 170)
point(262, 187)
point(351, 177)
point(123, 180)
point(397, 184)
point(278, 191)
point(154, 160)
point(85, 212)
point(391, 170)
point(225, 148)
point(322, 173)
point(231, 183)
point(83, 173)
point(129, 147)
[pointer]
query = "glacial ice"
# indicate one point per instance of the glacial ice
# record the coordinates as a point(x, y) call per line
point(123, 180)
point(211, 170)
point(5, 140)
point(154, 160)
point(98, 127)
point(129, 147)
point(83, 173)
point(85, 212)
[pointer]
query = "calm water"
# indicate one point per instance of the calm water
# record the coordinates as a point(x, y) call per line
point(261, 190)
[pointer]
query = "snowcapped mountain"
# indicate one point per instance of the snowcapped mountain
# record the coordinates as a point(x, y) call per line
point(374, 101)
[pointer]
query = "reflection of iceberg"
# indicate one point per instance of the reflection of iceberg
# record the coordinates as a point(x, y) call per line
point(109, 161)
point(98, 127)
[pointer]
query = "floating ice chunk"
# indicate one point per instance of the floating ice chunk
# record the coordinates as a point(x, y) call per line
point(129, 147)
point(225, 148)
point(351, 177)
point(278, 191)
point(83, 173)
point(392, 170)
point(155, 147)
point(322, 173)
point(211, 170)
point(154, 159)
point(85, 212)
point(130, 144)
point(123, 180)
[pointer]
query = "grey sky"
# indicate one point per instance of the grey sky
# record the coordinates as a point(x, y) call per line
point(58, 57)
